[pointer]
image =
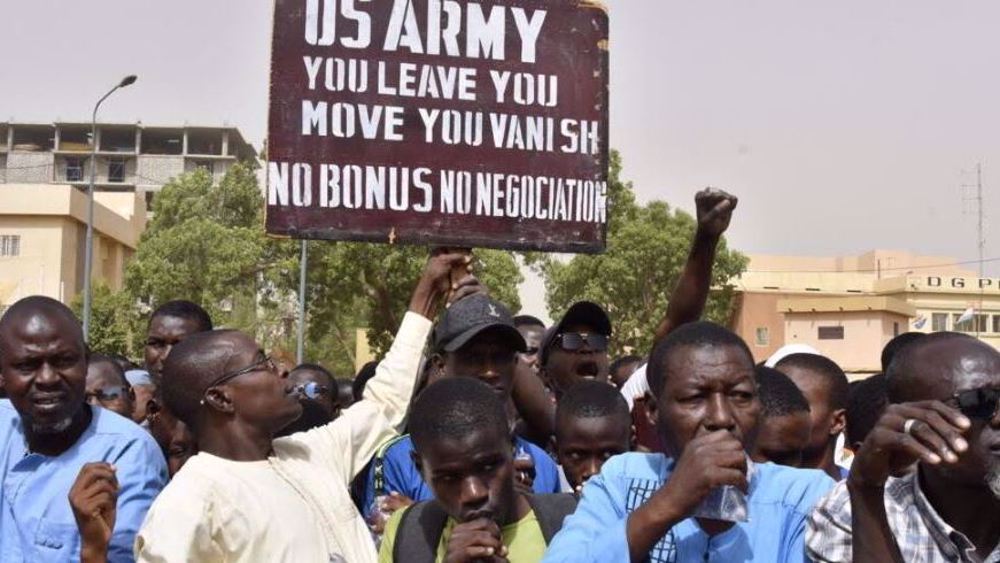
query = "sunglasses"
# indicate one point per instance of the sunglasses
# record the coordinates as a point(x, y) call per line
point(978, 403)
point(108, 393)
point(573, 341)
point(313, 390)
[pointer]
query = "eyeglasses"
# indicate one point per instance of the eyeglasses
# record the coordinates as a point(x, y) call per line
point(573, 341)
point(978, 403)
point(265, 363)
point(111, 393)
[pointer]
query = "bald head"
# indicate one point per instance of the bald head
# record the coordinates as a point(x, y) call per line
point(32, 309)
point(938, 365)
point(252, 398)
point(193, 364)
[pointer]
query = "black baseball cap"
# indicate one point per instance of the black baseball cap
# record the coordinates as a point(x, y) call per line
point(579, 313)
point(471, 316)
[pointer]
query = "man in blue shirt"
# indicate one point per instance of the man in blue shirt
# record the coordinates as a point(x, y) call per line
point(48, 433)
point(476, 338)
point(642, 507)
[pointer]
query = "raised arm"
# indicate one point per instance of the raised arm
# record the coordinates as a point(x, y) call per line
point(351, 440)
point(687, 301)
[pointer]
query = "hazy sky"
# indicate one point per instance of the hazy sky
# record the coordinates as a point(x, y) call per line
point(843, 126)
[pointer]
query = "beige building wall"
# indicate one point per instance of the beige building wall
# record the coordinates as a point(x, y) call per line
point(872, 297)
point(48, 223)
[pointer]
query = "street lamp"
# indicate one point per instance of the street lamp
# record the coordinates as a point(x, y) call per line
point(89, 252)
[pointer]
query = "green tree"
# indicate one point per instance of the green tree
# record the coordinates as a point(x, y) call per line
point(207, 244)
point(111, 320)
point(351, 285)
point(647, 246)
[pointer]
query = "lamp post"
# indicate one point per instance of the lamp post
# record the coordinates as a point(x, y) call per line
point(89, 250)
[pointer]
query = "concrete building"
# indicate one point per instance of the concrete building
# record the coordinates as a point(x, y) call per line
point(850, 307)
point(130, 156)
point(42, 237)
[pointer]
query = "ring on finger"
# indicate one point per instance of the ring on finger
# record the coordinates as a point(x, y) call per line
point(908, 426)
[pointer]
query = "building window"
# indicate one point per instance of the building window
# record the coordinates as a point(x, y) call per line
point(74, 169)
point(939, 322)
point(960, 325)
point(830, 333)
point(981, 323)
point(10, 245)
point(116, 170)
point(996, 323)
point(763, 336)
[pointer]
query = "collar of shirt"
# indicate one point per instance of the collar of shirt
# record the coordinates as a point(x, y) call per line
point(954, 544)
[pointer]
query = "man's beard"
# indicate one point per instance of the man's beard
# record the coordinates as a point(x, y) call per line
point(53, 427)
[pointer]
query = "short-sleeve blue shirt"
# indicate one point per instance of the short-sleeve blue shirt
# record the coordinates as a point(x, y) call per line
point(36, 521)
point(401, 475)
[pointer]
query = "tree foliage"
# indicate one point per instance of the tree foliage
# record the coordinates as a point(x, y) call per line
point(111, 319)
point(207, 244)
point(369, 285)
point(647, 246)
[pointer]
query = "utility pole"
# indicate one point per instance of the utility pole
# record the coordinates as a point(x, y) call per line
point(303, 265)
point(982, 239)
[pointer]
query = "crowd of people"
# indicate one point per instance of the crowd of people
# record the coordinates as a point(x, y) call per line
point(486, 437)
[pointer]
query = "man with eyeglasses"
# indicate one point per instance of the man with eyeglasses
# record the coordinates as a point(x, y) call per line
point(249, 497)
point(49, 436)
point(942, 418)
point(107, 386)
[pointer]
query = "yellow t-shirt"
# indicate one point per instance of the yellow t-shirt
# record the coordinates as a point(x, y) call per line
point(524, 540)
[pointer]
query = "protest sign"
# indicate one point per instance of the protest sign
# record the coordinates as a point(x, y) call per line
point(444, 122)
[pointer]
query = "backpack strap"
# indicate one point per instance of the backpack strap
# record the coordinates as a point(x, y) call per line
point(551, 510)
point(419, 533)
point(378, 466)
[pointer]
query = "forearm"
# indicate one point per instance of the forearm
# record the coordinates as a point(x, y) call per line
point(532, 402)
point(872, 540)
point(687, 301)
point(648, 523)
point(93, 552)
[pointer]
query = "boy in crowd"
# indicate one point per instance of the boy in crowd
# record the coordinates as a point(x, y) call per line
point(107, 386)
point(865, 404)
point(533, 330)
point(465, 451)
point(647, 507)
point(169, 325)
point(622, 368)
point(318, 396)
point(825, 387)
point(943, 418)
point(474, 338)
point(592, 426)
point(249, 497)
point(785, 424)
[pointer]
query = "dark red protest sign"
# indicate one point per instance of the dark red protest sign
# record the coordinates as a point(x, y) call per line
point(440, 122)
